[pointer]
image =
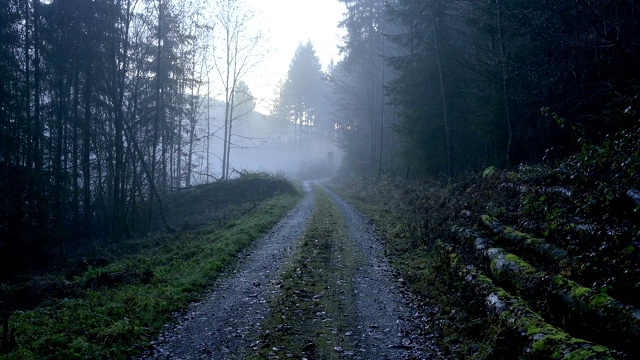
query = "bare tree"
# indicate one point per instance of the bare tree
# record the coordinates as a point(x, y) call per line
point(236, 52)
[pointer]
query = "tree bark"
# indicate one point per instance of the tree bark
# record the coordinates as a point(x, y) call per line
point(445, 114)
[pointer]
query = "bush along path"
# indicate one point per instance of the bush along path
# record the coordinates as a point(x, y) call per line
point(318, 287)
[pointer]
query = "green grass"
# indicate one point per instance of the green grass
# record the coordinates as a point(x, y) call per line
point(311, 315)
point(119, 320)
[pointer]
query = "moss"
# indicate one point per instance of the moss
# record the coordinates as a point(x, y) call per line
point(488, 172)
point(579, 291)
point(580, 341)
point(574, 290)
point(484, 279)
point(599, 300)
point(398, 232)
point(600, 349)
point(583, 354)
point(488, 221)
point(547, 339)
point(522, 265)
point(552, 341)
point(511, 268)
point(533, 327)
point(515, 235)
point(454, 259)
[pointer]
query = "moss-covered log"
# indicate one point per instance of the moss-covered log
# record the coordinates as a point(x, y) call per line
point(524, 334)
point(591, 313)
point(510, 269)
point(540, 248)
point(506, 268)
point(599, 312)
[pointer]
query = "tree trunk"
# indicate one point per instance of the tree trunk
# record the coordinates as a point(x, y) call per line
point(503, 65)
point(86, 148)
point(228, 140)
point(75, 138)
point(151, 173)
point(119, 198)
point(37, 125)
point(443, 94)
point(152, 188)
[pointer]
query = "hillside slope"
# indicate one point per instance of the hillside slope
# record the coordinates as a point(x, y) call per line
point(111, 301)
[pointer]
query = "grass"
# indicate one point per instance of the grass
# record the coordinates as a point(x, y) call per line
point(310, 316)
point(117, 309)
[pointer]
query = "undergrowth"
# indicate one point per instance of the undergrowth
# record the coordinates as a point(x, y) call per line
point(114, 310)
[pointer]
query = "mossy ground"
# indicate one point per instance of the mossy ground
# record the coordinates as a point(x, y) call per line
point(311, 316)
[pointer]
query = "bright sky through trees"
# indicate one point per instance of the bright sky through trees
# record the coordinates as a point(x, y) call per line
point(287, 23)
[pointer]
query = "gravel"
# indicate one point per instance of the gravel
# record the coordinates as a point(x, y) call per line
point(227, 324)
point(387, 323)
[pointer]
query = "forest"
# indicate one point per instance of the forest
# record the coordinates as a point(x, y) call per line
point(105, 108)
point(105, 105)
point(443, 87)
point(110, 109)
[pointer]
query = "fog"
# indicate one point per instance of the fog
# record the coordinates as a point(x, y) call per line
point(261, 143)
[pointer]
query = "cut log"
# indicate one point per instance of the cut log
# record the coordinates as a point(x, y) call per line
point(616, 323)
point(506, 268)
point(543, 250)
point(524, 333)
point(597, 310)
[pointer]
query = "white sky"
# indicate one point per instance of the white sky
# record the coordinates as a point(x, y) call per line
point(287, 23)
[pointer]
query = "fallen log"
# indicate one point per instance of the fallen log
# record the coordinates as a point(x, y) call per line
point(543, 250)
point(599, 312)
point(582, 309)
point(524, 334)
point(506, 268)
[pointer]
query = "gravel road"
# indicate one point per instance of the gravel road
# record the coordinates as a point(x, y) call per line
point(226, 325)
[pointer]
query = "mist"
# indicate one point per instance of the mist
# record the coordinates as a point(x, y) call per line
point(263, 143)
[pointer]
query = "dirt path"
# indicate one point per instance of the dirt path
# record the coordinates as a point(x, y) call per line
point(317, 287)
point(392, 328)
point(226, 323)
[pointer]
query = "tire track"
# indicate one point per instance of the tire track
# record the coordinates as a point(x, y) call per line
point(227, 323)
point(383, 317)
